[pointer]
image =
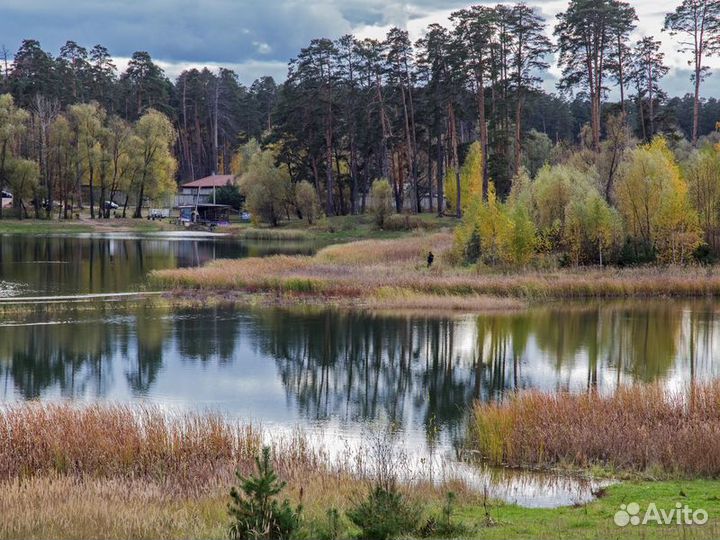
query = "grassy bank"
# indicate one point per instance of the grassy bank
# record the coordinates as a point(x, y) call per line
point(136, 472)
point(341, 229)
point(53, 226)
point(65, 507)
point(33, 226)
point(338, 229)
point(393, 273)
point(121, 472)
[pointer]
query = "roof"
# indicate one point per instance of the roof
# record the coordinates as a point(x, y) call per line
point(216, 180)
point(205, 205)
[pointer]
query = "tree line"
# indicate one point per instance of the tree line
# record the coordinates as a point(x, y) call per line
point(354, 110)
point(82, 157)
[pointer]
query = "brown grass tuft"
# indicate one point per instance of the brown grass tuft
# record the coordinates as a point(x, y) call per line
point(136, 472)
point(638, 429)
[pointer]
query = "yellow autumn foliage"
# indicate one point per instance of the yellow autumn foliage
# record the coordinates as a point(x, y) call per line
point(652, 197)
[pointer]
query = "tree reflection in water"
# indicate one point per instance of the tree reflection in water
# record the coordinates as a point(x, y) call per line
point(118, 262)
point(419, 372)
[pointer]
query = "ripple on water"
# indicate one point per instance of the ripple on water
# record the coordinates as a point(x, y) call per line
point(8, 289)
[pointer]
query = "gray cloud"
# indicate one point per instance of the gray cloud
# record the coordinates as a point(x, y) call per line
point(254, 37)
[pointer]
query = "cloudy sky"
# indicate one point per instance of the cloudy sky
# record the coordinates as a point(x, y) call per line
point(258, 37)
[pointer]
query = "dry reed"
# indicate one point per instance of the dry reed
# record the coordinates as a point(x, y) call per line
point(186, 451)
point(137, 472)
point(362, 270)
point(640, 429)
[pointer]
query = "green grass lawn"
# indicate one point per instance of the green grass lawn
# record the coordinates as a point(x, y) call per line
point(595, 520)
point(340, 229)
point(336, 229)
point(42, 226)
point(35, 226)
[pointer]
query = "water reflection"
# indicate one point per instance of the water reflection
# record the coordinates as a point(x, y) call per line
point(319, 366)
point(531, 489)
point(100, 263)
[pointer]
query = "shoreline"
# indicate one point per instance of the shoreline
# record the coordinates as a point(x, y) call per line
point(171, 479)
point(393, 274)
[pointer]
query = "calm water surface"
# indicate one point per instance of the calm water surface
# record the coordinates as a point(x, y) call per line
point(323, 366)
point(334, 373)
point(63, 264)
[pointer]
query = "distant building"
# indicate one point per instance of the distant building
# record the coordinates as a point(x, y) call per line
point(203, 190)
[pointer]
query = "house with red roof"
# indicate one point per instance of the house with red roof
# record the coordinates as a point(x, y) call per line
point(202, 190)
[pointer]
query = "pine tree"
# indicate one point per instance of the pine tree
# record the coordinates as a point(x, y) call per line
point(699, 21)
point(256, 513)
point(586, 32)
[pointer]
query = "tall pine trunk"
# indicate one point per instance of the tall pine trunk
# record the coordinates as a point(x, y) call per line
point(456, 161)
point(482, 124)
point(329, 176)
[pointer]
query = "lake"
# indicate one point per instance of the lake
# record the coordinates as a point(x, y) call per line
point(62, 264)
point(338, 368)
point(334, 373)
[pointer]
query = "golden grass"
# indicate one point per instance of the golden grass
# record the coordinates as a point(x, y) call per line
point(641, 429)
point(266, 233)
point(394, 273)
point(68, 507)
point(406, 299)
point(135, 472)
point(188, 451)
point(410, 250)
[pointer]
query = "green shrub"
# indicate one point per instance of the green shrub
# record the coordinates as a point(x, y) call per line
point(703, 254)
point(385, 513)
point(381, 195)
point(256, 513)
point(402, 222)
point(444, 526)
point(332, 529)
point(307, 201)
point(635, 252)
point(230, 195)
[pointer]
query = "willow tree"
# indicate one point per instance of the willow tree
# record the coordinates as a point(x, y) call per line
point(154, 140)
point(12, 124)
point(24, 177)
point(88, 120)
point(61, 158)
point(118, 165)
point(653, 199)
point(266, 187)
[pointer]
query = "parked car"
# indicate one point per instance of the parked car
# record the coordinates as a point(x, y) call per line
point(158, 213)
point(109, 205)
point(245, 217)
point(7, 199)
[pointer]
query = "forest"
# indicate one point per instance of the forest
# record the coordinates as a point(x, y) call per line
point(456, 123)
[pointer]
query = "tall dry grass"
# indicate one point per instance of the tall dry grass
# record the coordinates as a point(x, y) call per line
point(187, 451)
point(409, 250)
point(644, 429)
point(143, 443)
point(136, 472)
point(368, 269)
point(60, 506)
point(266, 233)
